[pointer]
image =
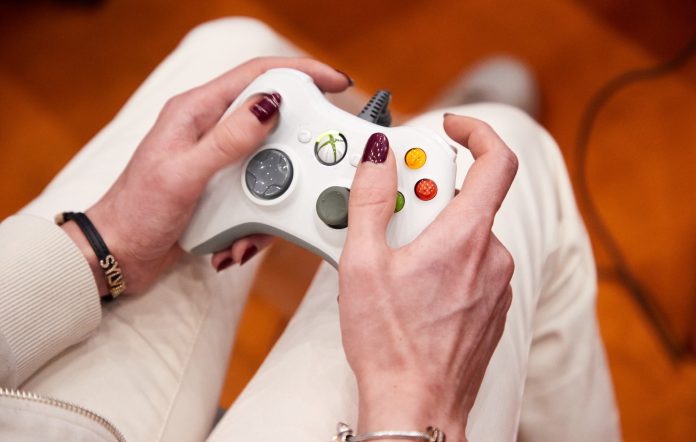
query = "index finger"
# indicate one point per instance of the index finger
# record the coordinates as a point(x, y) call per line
point(485, 185)
point(489, 178)
point(204, 105)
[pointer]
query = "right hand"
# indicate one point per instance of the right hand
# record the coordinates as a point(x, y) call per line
point(420, 323)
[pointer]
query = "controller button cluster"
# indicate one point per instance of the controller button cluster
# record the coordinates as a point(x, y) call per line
point(426, 189)
point(332, 207)
point(415, 158)
point(269, 174)
point(330, 147)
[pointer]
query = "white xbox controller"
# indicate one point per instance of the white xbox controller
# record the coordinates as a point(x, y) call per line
point(296, 185)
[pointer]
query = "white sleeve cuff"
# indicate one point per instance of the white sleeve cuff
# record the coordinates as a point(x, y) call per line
point(48, 296)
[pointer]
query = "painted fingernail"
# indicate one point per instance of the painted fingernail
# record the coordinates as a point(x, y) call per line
point(267, 106)
point(224, 264)
point(376, 148)
point(350, 80)
point(250, 252)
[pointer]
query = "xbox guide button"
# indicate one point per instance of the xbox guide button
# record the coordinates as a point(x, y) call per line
point(330, 147)
point(269, 174)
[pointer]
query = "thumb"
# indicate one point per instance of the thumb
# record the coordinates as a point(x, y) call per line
point(237, 135)
point(372, 195)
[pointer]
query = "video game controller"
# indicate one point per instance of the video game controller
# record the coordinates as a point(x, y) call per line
point(297, 184)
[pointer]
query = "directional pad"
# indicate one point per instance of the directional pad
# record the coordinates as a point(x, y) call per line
point(269, 174)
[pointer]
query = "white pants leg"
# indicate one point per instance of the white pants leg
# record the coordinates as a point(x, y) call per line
point(548, 377)
point(156, 364)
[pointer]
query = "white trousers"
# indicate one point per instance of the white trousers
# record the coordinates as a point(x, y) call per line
point(156, 364)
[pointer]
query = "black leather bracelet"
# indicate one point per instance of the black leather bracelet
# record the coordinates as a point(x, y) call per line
point(107, 261)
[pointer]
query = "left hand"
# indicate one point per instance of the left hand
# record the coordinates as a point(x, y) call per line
point(145, 212)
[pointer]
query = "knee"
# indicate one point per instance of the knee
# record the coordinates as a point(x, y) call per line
point(521, 133)
point(504, 118)
point(231, 30)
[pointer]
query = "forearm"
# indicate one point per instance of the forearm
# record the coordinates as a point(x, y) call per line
point(75, 234)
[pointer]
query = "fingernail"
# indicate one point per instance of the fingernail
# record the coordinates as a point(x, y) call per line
point(350, 80)
point(447, 114)
point(376, 149)
point(266, 107)
point(224, 264)
point(250, 252)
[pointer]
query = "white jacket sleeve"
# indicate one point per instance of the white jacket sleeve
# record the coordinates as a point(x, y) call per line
point(48, 296)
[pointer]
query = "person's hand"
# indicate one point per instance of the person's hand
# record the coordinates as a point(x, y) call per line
point(420, 323)
point(147, 209)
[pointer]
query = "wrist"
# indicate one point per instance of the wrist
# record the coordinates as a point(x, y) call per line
point(76, 235)
point(108, 224)
point(97, 246)
point(431, 434)
point(140, 258)
point(400, 403)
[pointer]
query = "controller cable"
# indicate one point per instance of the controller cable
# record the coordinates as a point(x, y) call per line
point(641, 294)
point(377, 109)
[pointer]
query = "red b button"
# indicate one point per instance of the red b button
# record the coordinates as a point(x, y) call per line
point(426, 189)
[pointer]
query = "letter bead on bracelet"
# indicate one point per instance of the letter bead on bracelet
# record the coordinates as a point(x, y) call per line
point(345, 434)
point(107, 261)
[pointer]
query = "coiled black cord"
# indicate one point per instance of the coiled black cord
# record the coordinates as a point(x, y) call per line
point(640, 293)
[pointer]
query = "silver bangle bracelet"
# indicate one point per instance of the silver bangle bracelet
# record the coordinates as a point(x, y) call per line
point(345, 434)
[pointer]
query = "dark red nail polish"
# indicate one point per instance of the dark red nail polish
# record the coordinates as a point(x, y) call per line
point(267, 106)
point(350, 80)
point(376, 148)
point(224, 264)
point(250, 252)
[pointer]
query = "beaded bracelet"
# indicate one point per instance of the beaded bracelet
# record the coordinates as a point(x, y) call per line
point(345, 434)
point(107, 261)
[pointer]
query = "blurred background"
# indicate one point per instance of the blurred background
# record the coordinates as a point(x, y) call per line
point(66, 67)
